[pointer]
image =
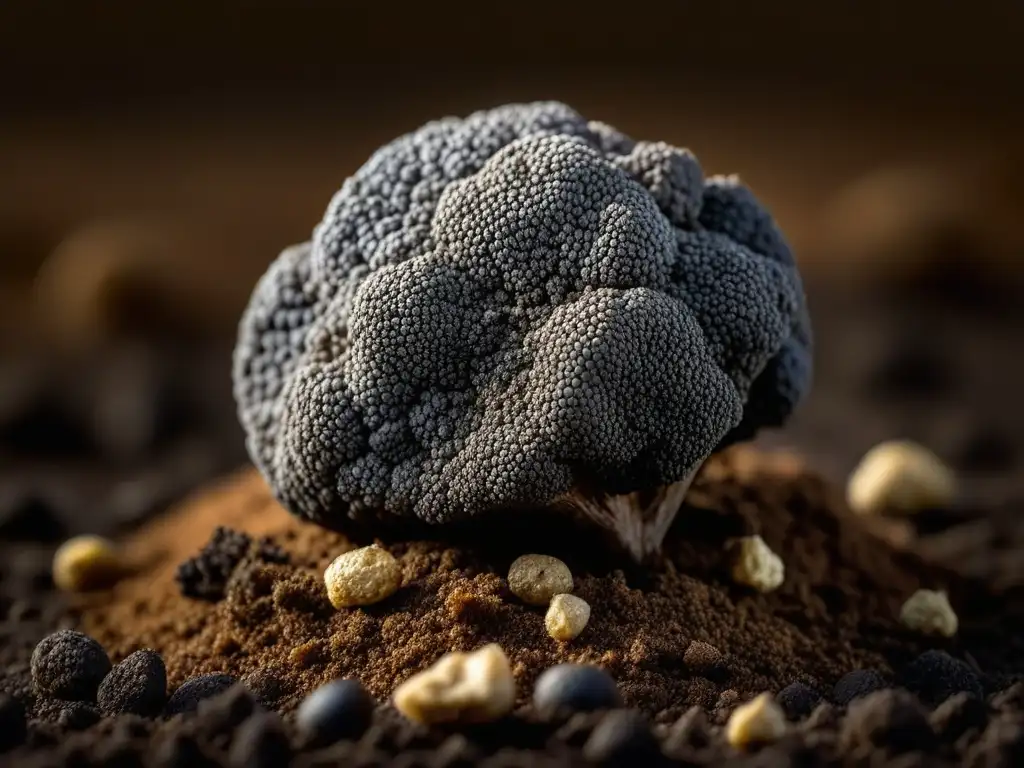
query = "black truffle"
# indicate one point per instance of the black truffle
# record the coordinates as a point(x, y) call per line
point(339, 710)
point(137, 686)
point(187, 697)
point(797, 700)
point(623, 738)
point(893, 719)
point(206, 575)
point(575, 687)
point(935, 676)
point(69, 665)
point(858, 683)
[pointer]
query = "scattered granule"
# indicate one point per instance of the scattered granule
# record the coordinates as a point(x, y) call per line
point(362, 577)
point(900, 476)
point(928, 611)
point(86, 562)
point(535, 579)
point(756, 565)
point(758, 722)
point(567, 617)
point(472, 687)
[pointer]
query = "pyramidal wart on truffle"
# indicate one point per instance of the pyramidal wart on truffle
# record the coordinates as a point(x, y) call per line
point(521, 308)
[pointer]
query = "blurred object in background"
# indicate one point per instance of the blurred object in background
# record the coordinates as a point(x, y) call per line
point(950, 232)
point(116, 280)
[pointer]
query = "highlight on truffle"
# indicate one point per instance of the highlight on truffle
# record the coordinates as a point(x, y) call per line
point(520, 309)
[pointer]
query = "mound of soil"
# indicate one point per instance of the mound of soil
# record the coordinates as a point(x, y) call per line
point(836, 612)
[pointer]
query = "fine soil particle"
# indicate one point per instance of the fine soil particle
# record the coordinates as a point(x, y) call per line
point(680, 635)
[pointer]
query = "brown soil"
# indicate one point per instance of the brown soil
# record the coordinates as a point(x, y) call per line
point(837, 610)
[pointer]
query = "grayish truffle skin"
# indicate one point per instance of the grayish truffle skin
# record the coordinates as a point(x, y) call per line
point(500, 310)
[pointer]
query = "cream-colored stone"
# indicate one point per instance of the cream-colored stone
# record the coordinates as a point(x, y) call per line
point(757, 566)
point(86, 562)
point(759, 721)
point(535, 579)
point(461, 687)
point(929, 612)
point(902, 477)
point(567, 616)
point(362, 577)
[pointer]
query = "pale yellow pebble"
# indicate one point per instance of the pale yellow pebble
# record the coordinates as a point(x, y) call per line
point(567, 616)
point(362, 577)
point(929, 612)
point(757, 566)
point(535, 579)
point(472, 687)
point(900, 476)
point(759, 721)
point(86, 562)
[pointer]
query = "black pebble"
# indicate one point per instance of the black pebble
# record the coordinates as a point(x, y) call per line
point(575, 688)
point(137, 686)
point(339, 710)
point(260, 742)
point(12, 723)
point(797, 700)
point(935, 676)
point(623, 738)
point(195, 690)
point(959, 714)
point(855, 684)
point(892, 718)
point(69, 665)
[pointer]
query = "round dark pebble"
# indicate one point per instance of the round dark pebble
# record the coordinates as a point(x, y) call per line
point(575, 688)
point(195, 690)
point(935, 676)
point(12, 723)
point(892, 718)
point(797, 700)
point(69, 665)
point(623, 738)
point(339, 710)
point(137, 686)
point(855, 684)
point(260, 742)
point(959, 714)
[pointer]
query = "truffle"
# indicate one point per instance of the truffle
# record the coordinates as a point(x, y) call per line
point(935, 676)
point(797, 700)
point(137, 685)
point(855, 684)
point(206, 575)
point(186, 699)
point(69, 665)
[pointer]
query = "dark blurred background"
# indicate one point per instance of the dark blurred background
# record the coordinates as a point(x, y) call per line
point(154, 157)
